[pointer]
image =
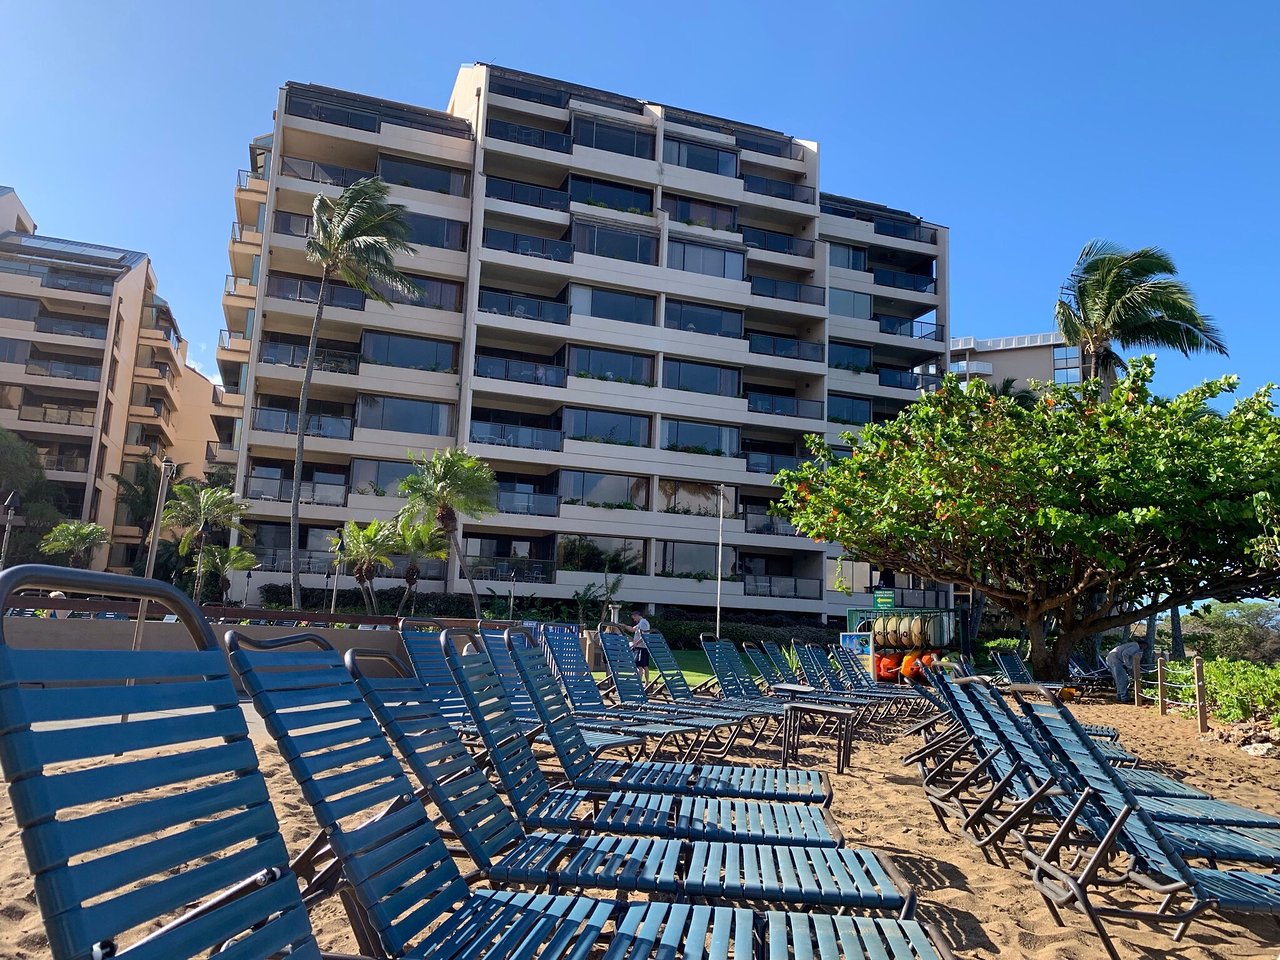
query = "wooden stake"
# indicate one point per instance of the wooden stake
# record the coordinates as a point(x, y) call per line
point(1202, 701)
point(1160, 693)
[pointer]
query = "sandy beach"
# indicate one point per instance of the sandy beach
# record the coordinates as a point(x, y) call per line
point(985, 910)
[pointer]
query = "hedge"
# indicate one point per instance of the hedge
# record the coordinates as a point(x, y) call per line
point(684, 634)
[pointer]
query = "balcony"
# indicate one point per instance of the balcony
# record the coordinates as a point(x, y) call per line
point(788, 290)
point(904, 281)
point(784, 588)
point(783, 147)
point(906, 231)
point(245, 177)
point(324, 425)
point(520, 569)
point(230, 340)
point(530, 136)
point(219, 451)
point(901, 327)
point(776, 242)
point(509, 435)
point(327, 173)
point(770, 463)
point(783, 406)
point(308, 291)
point(778, 189)
point(63, 327)
point(520, 371)
point(237, 286)
point(906, 380)
point(529, 194)
point(540, 247)
point(321, 494)
point(523, 307)
point(49, 413)
point(292, 224)
point(976, 368)
point(245, 232)
point(276, 560)
point(89, 372)
point(295, 355)
point(788, 348)
point(530, 504)
point(759, 520)
point(66, 462)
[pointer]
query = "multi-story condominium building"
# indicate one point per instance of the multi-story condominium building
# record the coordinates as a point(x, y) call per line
point(625, 307)
point(92, 370)
point(1043, 357)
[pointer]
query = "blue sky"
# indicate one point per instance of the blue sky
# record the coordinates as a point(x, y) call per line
point(1026, 128)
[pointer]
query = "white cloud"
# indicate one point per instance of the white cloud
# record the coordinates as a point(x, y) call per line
point(198, 367)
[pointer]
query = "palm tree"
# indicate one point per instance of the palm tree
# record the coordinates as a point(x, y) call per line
point(353, 239)
point(200, 511)
point(76, 540)
point(444, 485)
point(365, 550)
point(418, 540)
point(139, 494)
point(1132, 299)
point(1023, 397)
point(222, 562)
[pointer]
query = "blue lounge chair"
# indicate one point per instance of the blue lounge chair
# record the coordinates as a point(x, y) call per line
point(815, 661)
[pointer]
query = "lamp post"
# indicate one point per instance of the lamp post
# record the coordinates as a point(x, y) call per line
point(719, 554)
point(167, 468)
point(11, 506)
point(511, 603)
point(337, 568)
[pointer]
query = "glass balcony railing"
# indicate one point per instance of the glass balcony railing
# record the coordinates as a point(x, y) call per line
point(71, 416)
point(520, 569)
point(71, 328)
point(295, 355)
point(234, 285)
point(229, 339)
point(520, 371)
point(308, 291)
point(524, 307)
point(322, 494)
point(542, 248)
point(786, 347)
point(292, 224)
point(901, 327)
point(533, 504)
point(313, 172)
point(509, 435)
point(318, 424)
point(530, 136)
point(779, 189)
point(759, 520)
point(906, 380)
point(784, 406)
point(787, 588)
point(529, 194)
point(788, 290)
point(67, 462)
point(276, 560)
point(770, 463)
point(213, 448)
point(67, 371)
point(243, 178)
point(904, 281)
point(783, 147)
point(776, 242)
point(906, 231)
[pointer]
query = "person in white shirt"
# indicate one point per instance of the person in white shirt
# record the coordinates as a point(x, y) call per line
point(639, 647)
point(1120, 663)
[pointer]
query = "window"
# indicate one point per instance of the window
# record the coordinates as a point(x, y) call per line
point(616, 244)
point(701, 378)
point(848, 356)
point(851, 410)
point(711, 261)
point(610, 365)
point(412, 353)
point(613, 305)
point(848, 303)
point(379, 477)
point(403, 415)
point(693, 560)
point(850, 258)
point(600, 554)
point(605, 426)
point(604, 193)
point(700, 156)
point(436, 231)
point(1066, 364)
point(19, 308)
point(702, 213)
point(14, 351)
point(703, 318)
point(423, 176)
point(431, 293)
point(710, 439)
point(603, 489)
point(698, 499)
point(525, 90)
point(614, 137)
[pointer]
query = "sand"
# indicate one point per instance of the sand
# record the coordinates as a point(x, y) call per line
point(985, 910)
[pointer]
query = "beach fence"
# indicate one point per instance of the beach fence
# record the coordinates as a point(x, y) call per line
point(1178, 684)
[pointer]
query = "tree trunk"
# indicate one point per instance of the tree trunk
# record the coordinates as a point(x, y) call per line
point(195, 594)
point(1044, 659)
point(1151, 631)
point(404, 598)
point(1177, 650)
point(466, 571)
point(976, 611)
point(304, 393)
point(364, 595)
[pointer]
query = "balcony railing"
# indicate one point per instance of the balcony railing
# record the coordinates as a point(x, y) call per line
point(229, 339)
point(530, 136)
point(231, 286)
point(520, 371)
point(65, 370)
point(323, 494)
point(521, 569)
point(788, 290)
point(786, 148)
point(541, 247)
point(244, 176)
point(308, 291)
point(522, 306)
point(770, 463)
point(329, 173)
point(529, 194)
point(276, 560)
point(71, 416)
point(976, 368)
point(784, 406)
point(532, 504)
point(778, 189)
point(509, 435)
point(240, 230)
point(901, 327)
point(787, 347)
point(292, 224)
point(776, 242)
point(904, 281)
point(71, 328)
point(295, 355)
point(759, 520)
point(906, 380)
point(213, 447)
point(787, 588)
point(906, 231)
point(67, 462)
point(318, 424)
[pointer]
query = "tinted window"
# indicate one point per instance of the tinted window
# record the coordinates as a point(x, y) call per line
point(702, 213)
point(601, 554)
point(603, 193)
point(850, 258)
point(848, 303)
point(604, 426)
point(694, 560)
point(423, 176)
point(699, 156)
point(701, 378)
point(616, 244)
point(843, 409)
point(414, 353)
point(379, 477)
point(403, 415)
point(703, 318)
point(613, 305)
point(610, 365)
point(690, 436)
point(19, 308)
point(436, 231)
point(847, 356)
point(711, 261)
point(614, 137)
point(601, 489)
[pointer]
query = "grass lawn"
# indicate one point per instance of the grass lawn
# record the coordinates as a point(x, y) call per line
point(693, 664)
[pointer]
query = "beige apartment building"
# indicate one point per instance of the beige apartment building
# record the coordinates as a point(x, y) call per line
point(1043, 357)
point(625, 307)
point(93, 372)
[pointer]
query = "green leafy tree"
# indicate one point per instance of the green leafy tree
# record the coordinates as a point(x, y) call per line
point(43, 502)
point(444, 485)
point(201, 512)
point(221, 562)
point(1024, 397)
point(1082, 514)
point(75, 540)
point(418, 541)
point(354, 239)
point(139, 494)
point(1238, 631)
point(1131, 299)
point(365, 551)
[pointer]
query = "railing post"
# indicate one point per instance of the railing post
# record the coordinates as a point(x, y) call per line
point(1160, 678)
point(1202, 704)
point(1137, 679)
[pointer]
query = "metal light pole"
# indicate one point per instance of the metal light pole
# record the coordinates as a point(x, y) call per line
point(719, 555)
point(167, 468)
point(337, 569)
point(11, 506)
point(511, 603)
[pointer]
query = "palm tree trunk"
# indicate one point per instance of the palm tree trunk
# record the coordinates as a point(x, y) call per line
point(404, 598)
point(199, 573)
point(304, 393)
point(466, 571)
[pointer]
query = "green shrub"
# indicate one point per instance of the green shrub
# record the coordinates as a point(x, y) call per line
point(684, 634)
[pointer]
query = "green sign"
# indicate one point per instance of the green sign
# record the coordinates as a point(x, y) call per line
point(883, 600)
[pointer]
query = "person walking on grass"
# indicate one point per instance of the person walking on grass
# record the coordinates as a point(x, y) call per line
point(1120, 663)
point(639, 629)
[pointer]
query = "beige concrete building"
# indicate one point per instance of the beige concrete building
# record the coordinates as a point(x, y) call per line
point(623, 307)
point(1044, 357)
point(92, 370)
